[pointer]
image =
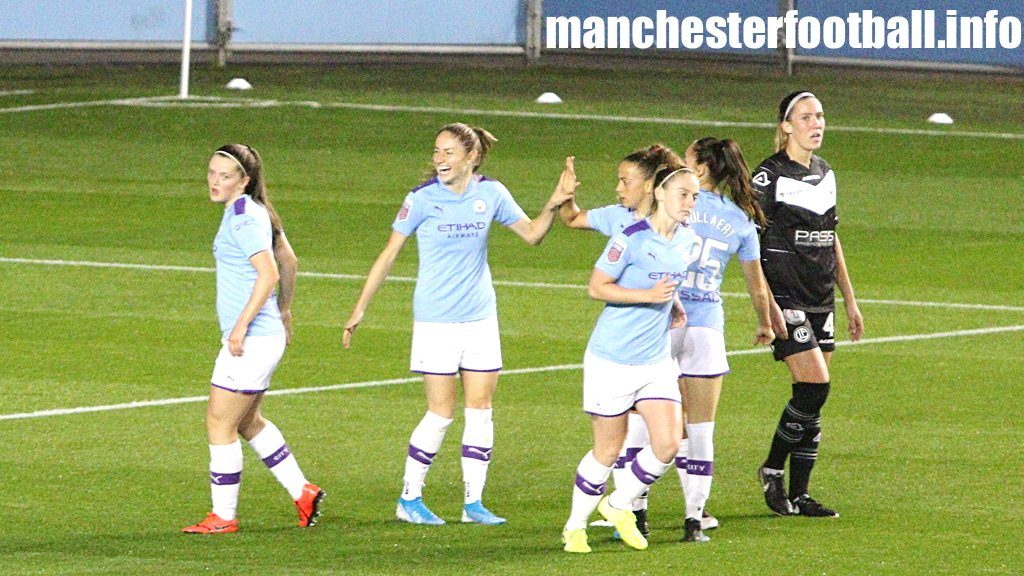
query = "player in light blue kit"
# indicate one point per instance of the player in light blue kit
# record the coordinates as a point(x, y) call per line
point(627, 363)
point(252, 256)
point(725, 219)
point(635, 192)
point(634, 189)
point(455, 329)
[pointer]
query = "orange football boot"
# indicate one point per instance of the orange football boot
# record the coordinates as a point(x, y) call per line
point(213, 524)
point(309, 505)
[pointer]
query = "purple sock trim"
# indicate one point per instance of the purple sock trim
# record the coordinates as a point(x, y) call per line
point(421, 456)
point(221, 479)
point(588, 488)
point(277, 457)
point(641, 474)
point(680, 462)
point(700, 467)
point(627, 458)
point(476, 452)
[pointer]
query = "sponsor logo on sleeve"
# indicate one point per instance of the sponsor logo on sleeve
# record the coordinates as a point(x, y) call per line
point(761, 179)
point(403, 214)
point(615, 253)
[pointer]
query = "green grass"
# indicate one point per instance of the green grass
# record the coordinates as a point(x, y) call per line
point(922, 437)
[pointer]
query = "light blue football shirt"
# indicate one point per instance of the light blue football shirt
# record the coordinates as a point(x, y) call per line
point(612, 219)
point(454, 280)
point(245, 230)
point(637, 258)
point(723, 229)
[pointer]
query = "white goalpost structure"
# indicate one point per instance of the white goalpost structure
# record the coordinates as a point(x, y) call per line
point(186, 50)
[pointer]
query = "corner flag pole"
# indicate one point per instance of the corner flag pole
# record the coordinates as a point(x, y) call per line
point(186, 49)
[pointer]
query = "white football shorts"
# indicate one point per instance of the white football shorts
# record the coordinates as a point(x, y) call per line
point(699, 352)
point(444, 348)
point(249, 373)
point(612, 389)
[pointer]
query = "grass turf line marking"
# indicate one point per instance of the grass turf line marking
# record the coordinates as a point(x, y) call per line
point(507, 283)
point(512, 372)
point(220, 102)
point(88, 104)
point(217, 102)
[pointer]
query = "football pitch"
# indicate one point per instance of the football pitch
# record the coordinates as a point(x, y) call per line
point(109, 330)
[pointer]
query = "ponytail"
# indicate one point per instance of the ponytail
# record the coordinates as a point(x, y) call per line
point(252, 166)
point(472, 138)
point(729, 173)
point(651, 160)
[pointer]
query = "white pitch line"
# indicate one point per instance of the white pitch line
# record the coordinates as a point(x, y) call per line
point(507, 283)
point(934, 335)
point(599, 118)
point(254, 103)
point(512, 372)
point(218, 102)
point(66, 105)
point(16, 92)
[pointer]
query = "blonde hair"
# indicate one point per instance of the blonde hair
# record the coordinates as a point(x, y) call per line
point(785, 109)
point(472, 138)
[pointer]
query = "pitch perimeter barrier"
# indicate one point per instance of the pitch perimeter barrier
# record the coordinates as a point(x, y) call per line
point(424, 26)
point(522, 27)
point(96, 23)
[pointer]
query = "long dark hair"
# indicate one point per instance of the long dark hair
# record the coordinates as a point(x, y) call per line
point(252, 166)
point(728, 170)
point(650, 159)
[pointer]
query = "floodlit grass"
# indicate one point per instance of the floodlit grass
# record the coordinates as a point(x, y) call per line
point(922, 437)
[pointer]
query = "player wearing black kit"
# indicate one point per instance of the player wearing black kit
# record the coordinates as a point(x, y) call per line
point(803, 262)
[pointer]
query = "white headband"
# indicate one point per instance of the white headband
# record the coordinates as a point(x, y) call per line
point(242, 168)
point(793, 102)
point(673, 173)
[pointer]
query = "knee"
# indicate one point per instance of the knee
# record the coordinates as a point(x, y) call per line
point(443, 409)
point(220, 429)
point(479, 403)
point(217, 419)
point(809, 398)
point(607, 454)
point(251, 427)
point(665, 446)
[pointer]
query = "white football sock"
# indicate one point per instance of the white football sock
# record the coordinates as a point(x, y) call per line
point(270, 446)
point(646, 469)
point(423, 446)
point(225, 478)
point(591, 479)
point(477, 443)
point(700, 467)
